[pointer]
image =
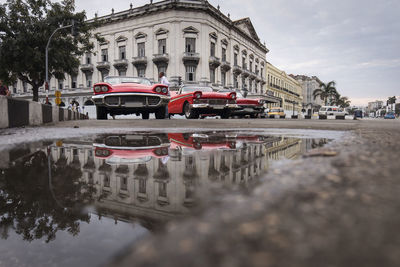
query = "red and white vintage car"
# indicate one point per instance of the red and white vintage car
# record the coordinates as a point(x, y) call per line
point(195, 100)
point(130, 95)
point(131, 148)
point(253, 107)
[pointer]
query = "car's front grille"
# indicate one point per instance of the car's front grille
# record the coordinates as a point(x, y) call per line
point(112, 100)
point(153, 100)
point(132, 99)
point(217, 101)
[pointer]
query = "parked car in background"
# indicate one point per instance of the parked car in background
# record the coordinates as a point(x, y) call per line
point(358, 114)
point(390, 115)
point(253, 107)
point(331, 111)
point(276, 113)
point(130, 95)
point(194, 101)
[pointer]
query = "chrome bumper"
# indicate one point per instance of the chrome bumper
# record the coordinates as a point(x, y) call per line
point(216, 107)
point(123, 100)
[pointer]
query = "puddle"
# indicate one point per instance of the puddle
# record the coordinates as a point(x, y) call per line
point(80, 201)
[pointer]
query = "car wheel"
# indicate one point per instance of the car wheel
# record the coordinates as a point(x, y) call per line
point(145, 115)
point(190, 113)
point(101, 113)
point(225, 115)
point(161, 113)
point(253, 116)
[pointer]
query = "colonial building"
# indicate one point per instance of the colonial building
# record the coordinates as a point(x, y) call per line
point(189, 40)
point(283, 88)
point(308, 85)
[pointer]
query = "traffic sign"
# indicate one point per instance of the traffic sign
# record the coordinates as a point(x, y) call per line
point(58, 100)
point(58, 93)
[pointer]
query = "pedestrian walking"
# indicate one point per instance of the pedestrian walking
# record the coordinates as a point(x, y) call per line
point(3, 89)
point(164, 81)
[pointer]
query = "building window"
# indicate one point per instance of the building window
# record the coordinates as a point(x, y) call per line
point(60, 84)
point(190, 73)
point(162, 189)
point(106, 181)
point(162, 46)
point(122, 52)
point(103, 75)
point(235, 81)
point(124, 183)
point(212, 75)
point(15, 88)
point(121, 72)
point(88, 79)
point(223, 78)
point(141, 72)
point(104, 55)
point(141, 49)
point(223, 54)
point(190, 45)
point(88, 58)
point(251, 66)
point(142, 186)
point(262, 71)
point(244, 66)
point(25, 87)
point(235, 59)
point(212, 49)
point(73, 81)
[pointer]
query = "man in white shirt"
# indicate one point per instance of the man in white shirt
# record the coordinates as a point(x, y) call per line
point(164, 80)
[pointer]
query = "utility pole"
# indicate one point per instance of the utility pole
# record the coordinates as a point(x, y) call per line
point(73, 32)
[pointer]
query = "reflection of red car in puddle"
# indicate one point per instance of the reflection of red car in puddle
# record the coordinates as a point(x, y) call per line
point(134, 148)
point(201, 141)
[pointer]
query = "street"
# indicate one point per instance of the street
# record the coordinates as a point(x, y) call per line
point(337, 205)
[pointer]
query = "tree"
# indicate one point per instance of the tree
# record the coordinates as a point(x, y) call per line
point(325, 92)
point(25, 28)
point(343, 102)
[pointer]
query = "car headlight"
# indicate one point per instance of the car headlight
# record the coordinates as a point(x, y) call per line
point(104, 88)
point(165, 90)
point(233, 96)
point(197, 95)
point(97, 89)
point(158, 89)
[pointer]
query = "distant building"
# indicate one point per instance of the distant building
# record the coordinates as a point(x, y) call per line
point(284, 88)
point(308, 85)
point(374, 106)
point(187, 39)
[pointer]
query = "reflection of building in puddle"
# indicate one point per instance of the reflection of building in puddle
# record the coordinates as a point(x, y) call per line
point(164, 186)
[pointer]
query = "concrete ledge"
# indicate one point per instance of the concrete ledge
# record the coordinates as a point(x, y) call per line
point(18, 112)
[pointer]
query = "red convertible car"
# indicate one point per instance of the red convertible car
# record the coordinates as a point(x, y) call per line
point(248, 106)
point(195, 100)
point(204, 141)
point(130, 95)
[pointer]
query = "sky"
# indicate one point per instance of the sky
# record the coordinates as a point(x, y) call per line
point(355, 43)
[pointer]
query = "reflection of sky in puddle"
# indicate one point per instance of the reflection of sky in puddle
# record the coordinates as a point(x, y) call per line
point(142, 178)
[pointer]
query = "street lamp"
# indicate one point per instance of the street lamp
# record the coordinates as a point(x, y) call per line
point(74, 33)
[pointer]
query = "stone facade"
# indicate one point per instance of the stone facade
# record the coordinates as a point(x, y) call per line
point(187, 39)
point(308, 85)
point(285, 89)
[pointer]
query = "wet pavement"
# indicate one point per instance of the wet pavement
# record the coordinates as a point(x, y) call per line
point(81, 201)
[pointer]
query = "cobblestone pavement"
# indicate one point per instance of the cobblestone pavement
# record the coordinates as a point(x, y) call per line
point(341, 210)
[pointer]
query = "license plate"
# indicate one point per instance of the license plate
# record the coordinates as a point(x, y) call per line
point(248, 109)
point(133, 105)
point(218, 107)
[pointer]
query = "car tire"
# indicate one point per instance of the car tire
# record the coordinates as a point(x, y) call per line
point(189, 113)
point(145, 115)
point(101, 113)
point(225, 115)
point(161, 113)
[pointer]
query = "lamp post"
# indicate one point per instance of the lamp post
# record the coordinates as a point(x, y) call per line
point(47, 55)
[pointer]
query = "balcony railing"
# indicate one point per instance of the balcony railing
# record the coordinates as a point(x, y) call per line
point(214, 62)
point(137, 61)
point(103, 65)
point(87, 67)
point(191, 57)
point(160, 58)
point(225, 65)
point(121, 63)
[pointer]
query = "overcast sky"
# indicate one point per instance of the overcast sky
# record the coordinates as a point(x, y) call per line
point(353, 42)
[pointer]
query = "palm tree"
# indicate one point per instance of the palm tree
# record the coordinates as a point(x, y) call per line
point(326, 91)
point(343, 102)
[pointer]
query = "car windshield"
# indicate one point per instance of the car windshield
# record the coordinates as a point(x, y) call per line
point(119, 80)
point(189, 89)
point(322, 109)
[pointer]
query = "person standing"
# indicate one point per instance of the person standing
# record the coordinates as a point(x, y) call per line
point(3, 89)
point(164, 81)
